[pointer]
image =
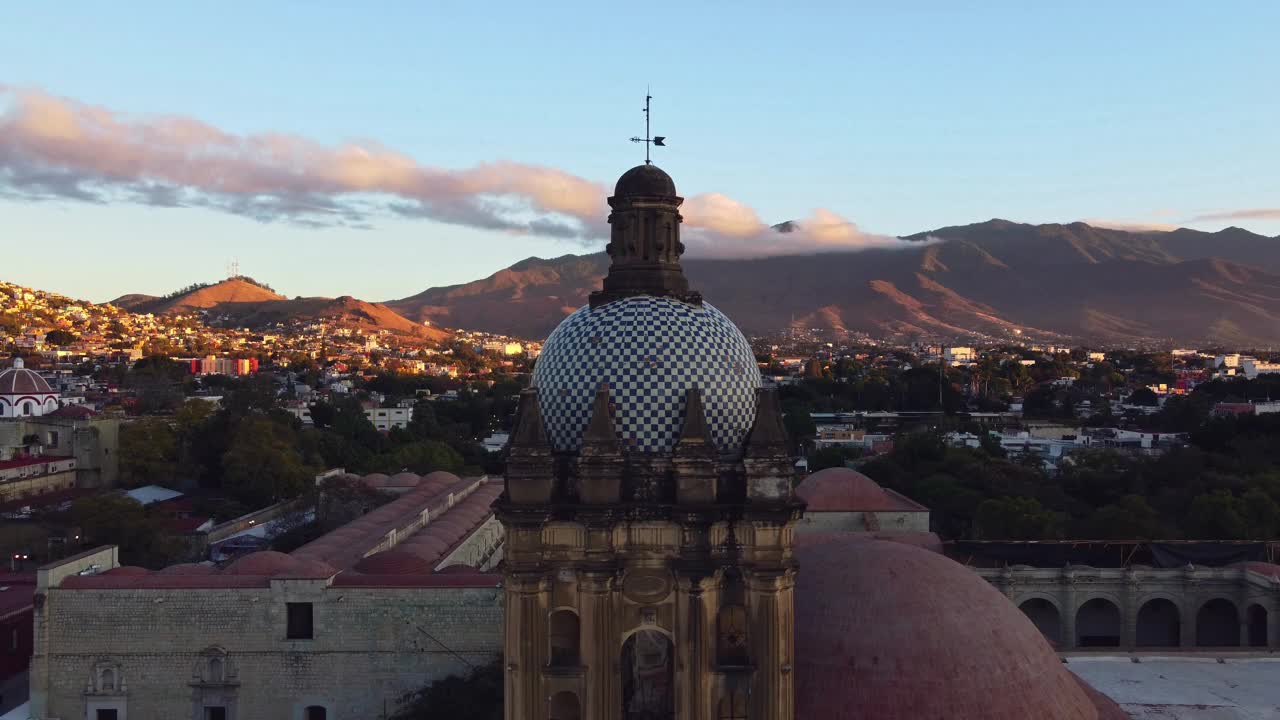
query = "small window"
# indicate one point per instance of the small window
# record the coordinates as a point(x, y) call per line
point(53, 438)
point(299, 623)
point(108, 682)
point(315, 712)
point(215, 713)
point(13, 640)
point(215, 670)
point(107, 714)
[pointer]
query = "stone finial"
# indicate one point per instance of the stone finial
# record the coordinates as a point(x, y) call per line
point(530, 430)
point(530, 475)
point(600, 464)
point(601, 434)
point(694, 456)
point(768, 434)
point(770, 473)
point(695, 436)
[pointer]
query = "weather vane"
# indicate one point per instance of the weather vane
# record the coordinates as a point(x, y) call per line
point(648, 141)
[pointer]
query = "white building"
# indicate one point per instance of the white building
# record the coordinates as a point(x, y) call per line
point(955, 355)
point(1253, 367)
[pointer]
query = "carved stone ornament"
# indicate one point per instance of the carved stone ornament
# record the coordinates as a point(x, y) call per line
point(646, 585)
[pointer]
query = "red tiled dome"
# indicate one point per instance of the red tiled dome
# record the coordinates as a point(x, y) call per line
point(188, 569)
point(127, 570)
point(310, 568)
point(840, 489)
point(266, 562)
point(890, 631)
point(376, 480)
point(18, 380)
point(404, 479)
point(393, 562)
point(440, 475)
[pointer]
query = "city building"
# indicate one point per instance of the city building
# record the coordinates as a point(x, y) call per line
point(340, 629)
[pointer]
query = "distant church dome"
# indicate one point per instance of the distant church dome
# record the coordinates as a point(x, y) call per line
point(645, 180)
point(23, 393)
point(18, 380)
point(649, 351)
point(886, 630)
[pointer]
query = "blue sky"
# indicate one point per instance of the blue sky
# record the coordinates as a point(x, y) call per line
point(898, 119)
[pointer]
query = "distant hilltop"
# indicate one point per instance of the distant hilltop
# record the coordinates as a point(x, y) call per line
point(244, 302)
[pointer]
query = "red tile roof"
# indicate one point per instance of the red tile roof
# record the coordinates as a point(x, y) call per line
point(31, 460)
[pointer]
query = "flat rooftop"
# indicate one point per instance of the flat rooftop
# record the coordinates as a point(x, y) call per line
point(1194, 687)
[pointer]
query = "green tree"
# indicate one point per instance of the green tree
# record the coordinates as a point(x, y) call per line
point(117, 519)
point(1217, 516)
point(1015, 518)
point(60, 338)
point(1130, 519)
point(263, 464)
point(148, 453)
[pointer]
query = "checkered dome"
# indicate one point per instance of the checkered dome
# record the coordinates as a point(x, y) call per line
point(650, 351)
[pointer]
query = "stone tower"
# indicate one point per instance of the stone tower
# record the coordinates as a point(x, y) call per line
point(648, 506)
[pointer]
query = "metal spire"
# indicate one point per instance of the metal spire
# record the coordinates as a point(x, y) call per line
point(647, 140)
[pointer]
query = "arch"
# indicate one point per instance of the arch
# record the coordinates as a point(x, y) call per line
point(562, 632)
point(217, 670)
point(1098, 623)
point(1256, 619)
point(1045, 616)
point(107, 678)
point(1159, 624)
point(565, 706)
point(1218, 624)
point(648, 677)
point(26, 408)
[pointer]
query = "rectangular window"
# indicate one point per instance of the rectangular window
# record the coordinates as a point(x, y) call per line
point(107, 714)
point(299, 621)
point(53, 438)
point(215, 713)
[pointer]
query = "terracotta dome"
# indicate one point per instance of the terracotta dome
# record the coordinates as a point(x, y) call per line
point(393, 562)
point(447, 478)
point(645, 179)
point(188, 569)
point(18, 380)
point(840, 489)
point(310, 568)
point(887, 631)
point(459, 569)
point(129, 570)
point(404, 479)
point(375, 480)
point(266, 562)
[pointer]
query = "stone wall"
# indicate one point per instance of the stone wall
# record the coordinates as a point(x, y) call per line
point(1079, 606)
point(371, 646)
point(863, 521)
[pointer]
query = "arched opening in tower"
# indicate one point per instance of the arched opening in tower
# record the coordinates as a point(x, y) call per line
point(648, 680)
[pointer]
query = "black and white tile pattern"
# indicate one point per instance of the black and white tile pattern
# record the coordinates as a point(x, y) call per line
point(650, 350)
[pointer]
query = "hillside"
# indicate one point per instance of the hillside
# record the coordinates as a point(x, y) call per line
point(983, 281)
point(232, 290)
point(244, 303)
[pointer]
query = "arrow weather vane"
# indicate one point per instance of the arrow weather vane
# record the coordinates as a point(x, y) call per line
point(648, 141)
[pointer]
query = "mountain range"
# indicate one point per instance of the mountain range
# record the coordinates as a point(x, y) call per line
point(986, 281)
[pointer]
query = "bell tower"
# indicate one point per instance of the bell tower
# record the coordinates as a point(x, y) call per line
point(648, 505)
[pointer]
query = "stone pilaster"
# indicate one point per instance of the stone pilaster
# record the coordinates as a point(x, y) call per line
point(601, 647)
point(770, 606)
point(525, 646)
